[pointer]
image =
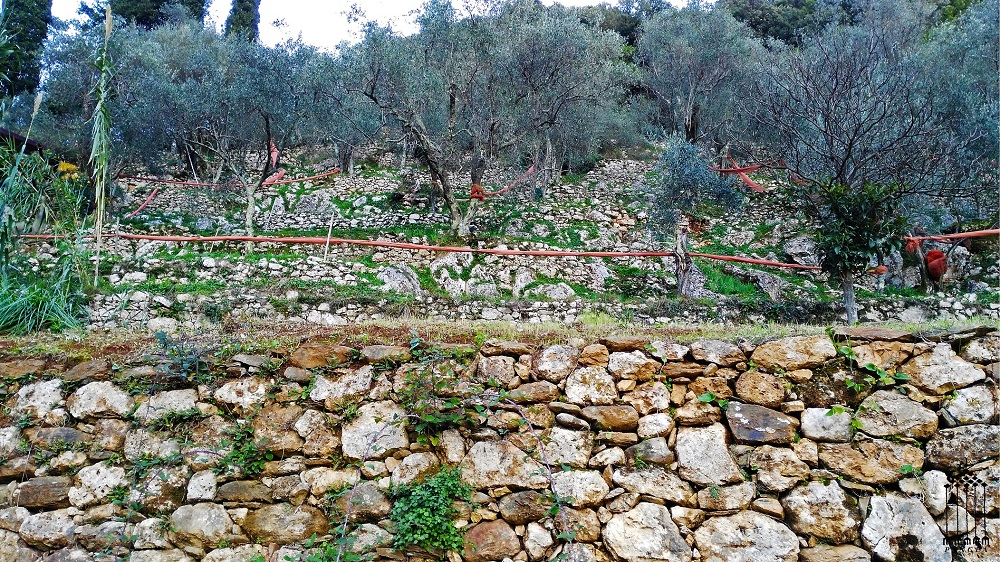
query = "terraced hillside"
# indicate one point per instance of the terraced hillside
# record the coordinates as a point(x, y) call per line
point(166, 285)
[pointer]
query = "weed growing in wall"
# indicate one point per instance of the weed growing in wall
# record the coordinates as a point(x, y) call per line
point(422, 514)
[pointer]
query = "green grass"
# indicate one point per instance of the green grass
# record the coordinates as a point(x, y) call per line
point(164, 287)
point(725, 284)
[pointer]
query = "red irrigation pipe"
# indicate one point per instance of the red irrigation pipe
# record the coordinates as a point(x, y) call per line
point(455, 249)
point(513, 183)
point(203, 184)
point(144, 203)
point(960, 235)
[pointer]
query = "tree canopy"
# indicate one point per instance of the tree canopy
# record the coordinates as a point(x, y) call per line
point(26, 22)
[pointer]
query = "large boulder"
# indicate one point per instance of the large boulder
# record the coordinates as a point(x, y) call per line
point(747, 536)
point(344, 386)
point(565, 447)
point(556, 362)
point(960, 447)
point(941, 371)
point(654, 481)
point(703, 456)
point(887, 412)
point(580, 488)
point(490, 464)
point(591, 385)
point(823, 511)
point(872, 461)
point(375, 433)
point(202, 525)
point(99, 400)
point(751, 423)
point(491, 540)
point(900, 528)
point(789, 354)
point(633, 366)
point(646, 533)
point(285, 523)
point(778, 469)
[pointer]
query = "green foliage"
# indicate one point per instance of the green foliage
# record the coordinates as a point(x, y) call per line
point(682, 182)
point(859, 223)
point(174, 419)
point(910, 470)
point(151, 13)
point(29, 302)
point(709, 397)
point(182, 359)
point(431, 398)
point(247, 454)
point(26, 22)
point(790, 20)
point(422, 514)
point(726, 284)
point(244, 19)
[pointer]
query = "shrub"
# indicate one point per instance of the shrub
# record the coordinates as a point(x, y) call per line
point(682, 183)
point(422, 513)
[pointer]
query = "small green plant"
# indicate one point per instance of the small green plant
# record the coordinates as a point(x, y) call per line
point(173, 419)
point(910, 470)
point(246, 453)
point(433, 406)
point(709, 397)
point(422, 513)
point(182, 359)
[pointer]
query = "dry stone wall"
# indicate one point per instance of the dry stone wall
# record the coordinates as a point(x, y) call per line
point(870, 445)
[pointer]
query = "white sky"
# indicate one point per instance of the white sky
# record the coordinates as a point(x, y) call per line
point(321, 22)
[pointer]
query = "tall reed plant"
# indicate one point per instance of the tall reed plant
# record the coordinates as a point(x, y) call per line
point(101, 146)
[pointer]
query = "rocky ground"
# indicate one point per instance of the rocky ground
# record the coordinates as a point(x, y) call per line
point(169, 286)
point(867, 444)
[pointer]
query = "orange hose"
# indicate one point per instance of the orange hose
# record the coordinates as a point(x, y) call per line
point(144, 203)
point(203, 184)
point(319, 240)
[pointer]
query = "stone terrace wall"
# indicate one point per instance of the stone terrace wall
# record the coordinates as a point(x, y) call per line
point(660, 451)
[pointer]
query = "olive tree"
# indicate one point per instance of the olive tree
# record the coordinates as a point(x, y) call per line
point(855, 118)
point(694, 61)
point(469, 91)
